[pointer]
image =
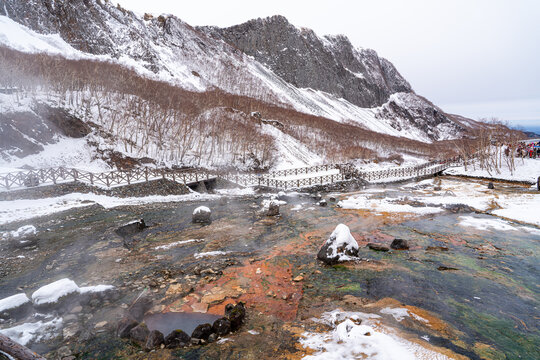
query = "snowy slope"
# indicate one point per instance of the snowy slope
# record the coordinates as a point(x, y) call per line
point(168, 49)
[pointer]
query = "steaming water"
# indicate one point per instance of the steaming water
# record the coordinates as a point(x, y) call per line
point(168, 322)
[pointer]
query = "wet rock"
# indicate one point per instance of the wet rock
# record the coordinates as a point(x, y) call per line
point(140, 307)
point(213, 337)
point(316, 197)
point(124, 327)
point(202, 215)
point(71, 330)
point(273, 209)
point(154, 340)
point(322, 203)
point(341, 246)
point(202, 332)
point(64, 351)
point(459, 208)
point(139, 334)
point(221, 326)
point(378, 247)
point(399, 244)
point(446, 268)
point(490, 186)
point(356, 301)
point(131, 228)
point(332, 198)
point(177, 338)
point(235, 314)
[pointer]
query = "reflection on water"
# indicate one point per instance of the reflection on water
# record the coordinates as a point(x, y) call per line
point(168, 322)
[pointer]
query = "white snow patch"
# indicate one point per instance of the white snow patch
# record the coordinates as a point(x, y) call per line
point(370, 340)
point(361, 201)
point(95, 289)
point(253, 332)
point(33, 332)
point(17, 210)
point(177, 243)
point(398, 313)
point(210, 253)
point(23, 231)
point(526, 170)
point(13, 301)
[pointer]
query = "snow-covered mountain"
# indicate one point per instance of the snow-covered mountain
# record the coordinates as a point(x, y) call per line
point(267, 60)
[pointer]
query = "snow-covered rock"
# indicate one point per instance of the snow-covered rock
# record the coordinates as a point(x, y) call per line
point(341, 246)
point(21, 233)
point(53, 292)
point(15, 306)
point(202, 214)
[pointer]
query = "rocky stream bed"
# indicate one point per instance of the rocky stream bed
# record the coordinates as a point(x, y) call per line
point(459, 291)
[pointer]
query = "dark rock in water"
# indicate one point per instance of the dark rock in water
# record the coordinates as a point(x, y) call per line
point(332, 198)
point(202, 331)
point(235, 314)
point(140, 307)
point(177, 338)
point(446, 268)
point(323, 203)
point(378, 247)
point(399, 244)
point(202, 215)
point(436, 248)
point(317, 197)
point(124, 326)
point(222, 326)
point(490, 186)
point(139, 334)
point(273, 209)
point(459, 208)
point(131, 228)
point(339, 246)
point(154, 340)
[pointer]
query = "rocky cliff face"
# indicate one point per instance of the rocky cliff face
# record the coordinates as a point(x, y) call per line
point(305, 60)
point(266, 59)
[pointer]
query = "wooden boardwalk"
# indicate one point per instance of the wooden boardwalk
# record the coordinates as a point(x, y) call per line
point(283, 179)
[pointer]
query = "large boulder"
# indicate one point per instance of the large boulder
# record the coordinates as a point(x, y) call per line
point(177, 338)
point(235, 314)
point(202, 215)
point(341, 246)
point(202, 332)
point(399, 244)
point(55, 295)
point(154, 340)
point(124, 326)
point(15, 307)
point(139, 334)
point(222, 326)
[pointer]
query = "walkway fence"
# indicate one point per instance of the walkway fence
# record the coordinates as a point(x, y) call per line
point(315, 175)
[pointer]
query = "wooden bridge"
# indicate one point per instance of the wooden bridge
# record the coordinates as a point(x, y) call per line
point(282, 179)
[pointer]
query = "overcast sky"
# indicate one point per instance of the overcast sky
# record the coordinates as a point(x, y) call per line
point(478, 58)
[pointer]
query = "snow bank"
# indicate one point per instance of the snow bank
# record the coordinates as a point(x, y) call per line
point(50, 293)
point(350, 340)
point(525, 208)
point(526, 170)
point(493, 224)
point(210, 253)
point(14, 301)
point(384, 205)
point(17, 210)
point(34, 332)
